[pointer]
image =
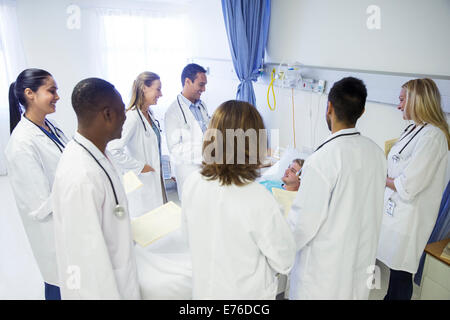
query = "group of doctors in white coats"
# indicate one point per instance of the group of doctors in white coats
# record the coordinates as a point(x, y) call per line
point(239, 242)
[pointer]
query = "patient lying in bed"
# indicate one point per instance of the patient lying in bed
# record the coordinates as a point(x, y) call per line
point(290, 180)
point(164, 267)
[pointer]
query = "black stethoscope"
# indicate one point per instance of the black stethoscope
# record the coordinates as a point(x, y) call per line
point(396, 157)
point(143, 123)
point(119, 211)
point(339, 135)
point(184, 116)
point(55, 130)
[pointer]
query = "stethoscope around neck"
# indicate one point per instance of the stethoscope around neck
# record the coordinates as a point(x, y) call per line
point(55, 130)
point(337, 136)
point(396, 157)
point(182, 111)
point(118, 211)
point(143, 123)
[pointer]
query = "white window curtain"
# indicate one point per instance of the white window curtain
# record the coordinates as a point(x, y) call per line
point(135, 41)
point(12, 62)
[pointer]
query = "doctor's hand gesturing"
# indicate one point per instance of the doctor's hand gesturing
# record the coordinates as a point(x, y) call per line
point(147, 168)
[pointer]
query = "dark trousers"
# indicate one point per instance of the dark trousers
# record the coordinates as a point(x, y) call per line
point(52, 292)
point(400, 286)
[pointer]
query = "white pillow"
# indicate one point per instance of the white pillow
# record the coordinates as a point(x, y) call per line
point(276, 171)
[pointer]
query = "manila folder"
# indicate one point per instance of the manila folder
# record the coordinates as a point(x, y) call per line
point(156, 223)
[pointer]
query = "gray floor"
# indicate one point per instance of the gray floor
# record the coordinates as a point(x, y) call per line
point(171, 189)
point(378, 294)
point(20, 277)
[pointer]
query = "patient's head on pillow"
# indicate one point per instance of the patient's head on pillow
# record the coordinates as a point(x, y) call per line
point(291, 177)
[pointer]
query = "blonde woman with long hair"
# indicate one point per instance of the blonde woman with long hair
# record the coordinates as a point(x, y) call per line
point(139, 149)
point(417, 166)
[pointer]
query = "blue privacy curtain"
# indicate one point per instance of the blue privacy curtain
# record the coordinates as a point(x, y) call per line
point(441, 229)
point(247, 25)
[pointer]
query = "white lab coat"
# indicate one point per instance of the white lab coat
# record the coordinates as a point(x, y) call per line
point(336, 218)
point(419, 177)
point(184, 141)
point(94, 247)
point(132, 151)
point(31, 159)
point(238, 240)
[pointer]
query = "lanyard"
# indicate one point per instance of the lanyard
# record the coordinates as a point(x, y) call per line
point(339, 135)
point(412, 137)
point(52, 136)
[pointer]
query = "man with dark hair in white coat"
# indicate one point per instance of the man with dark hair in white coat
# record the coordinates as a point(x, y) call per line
point(185, 121)
point(336, 215)
point(94, 247)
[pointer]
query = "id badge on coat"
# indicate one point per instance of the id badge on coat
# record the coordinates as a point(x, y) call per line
point(390, 206)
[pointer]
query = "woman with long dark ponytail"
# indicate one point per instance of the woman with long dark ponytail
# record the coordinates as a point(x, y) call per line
point(32, 154)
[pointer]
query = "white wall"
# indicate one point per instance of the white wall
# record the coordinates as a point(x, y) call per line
point(380, 122)
point(222, 86)
point(68, 54)
point(50, 45)
point(331, 33)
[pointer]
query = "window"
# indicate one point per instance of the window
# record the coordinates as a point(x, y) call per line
point(4, 110)
point(12, 62)
point(137, 41)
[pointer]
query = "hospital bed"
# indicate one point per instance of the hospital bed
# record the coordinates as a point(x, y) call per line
point(164, 267)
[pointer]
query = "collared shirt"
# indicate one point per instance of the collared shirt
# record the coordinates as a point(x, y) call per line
point(195, 109)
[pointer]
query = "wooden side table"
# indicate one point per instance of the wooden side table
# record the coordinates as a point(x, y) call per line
point(436, 273)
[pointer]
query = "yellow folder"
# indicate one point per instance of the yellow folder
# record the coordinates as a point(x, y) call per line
point(156, 224)
point(388, 145)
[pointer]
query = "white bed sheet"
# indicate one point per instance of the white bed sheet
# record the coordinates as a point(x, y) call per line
point(165, 268)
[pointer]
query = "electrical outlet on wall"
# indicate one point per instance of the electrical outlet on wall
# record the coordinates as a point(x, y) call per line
point(319, 86)
point(307, 84)
point(312, 85)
